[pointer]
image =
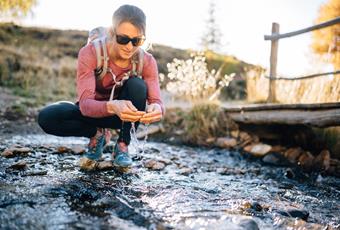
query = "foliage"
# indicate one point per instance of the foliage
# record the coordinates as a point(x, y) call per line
point(191, 79)
point(207, 120)
point(16, 8)
point(326, 41)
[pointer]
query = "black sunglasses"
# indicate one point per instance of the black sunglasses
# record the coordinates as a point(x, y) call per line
point(123, 40)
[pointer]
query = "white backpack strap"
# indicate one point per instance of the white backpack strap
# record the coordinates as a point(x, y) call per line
point(105, 58)
point(140, 62)
point(102, 57)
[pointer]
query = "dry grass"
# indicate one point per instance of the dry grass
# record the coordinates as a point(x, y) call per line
point(314, 90)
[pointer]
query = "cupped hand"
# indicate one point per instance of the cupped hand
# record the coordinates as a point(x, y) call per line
point(153, 114)
point(125, 110)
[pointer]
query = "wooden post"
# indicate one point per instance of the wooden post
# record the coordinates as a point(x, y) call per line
point(273, 63)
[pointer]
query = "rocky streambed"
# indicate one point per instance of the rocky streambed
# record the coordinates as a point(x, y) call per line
point(169, 187)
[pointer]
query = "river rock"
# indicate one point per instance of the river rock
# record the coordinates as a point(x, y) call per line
point(63, 149)
point(77, 149)
point(226, 142)
point(13, 151)
point(235, 133)
point(21, 165)
point(7, 153)
point(292, 154)
point(275, 159)
point(87, 164)
point(185, 171)
point(154, 165)
point(248, 224)
point(306, 160)
point(295, 213)
point(258, 150)
point(105, 165)
point(322, 161)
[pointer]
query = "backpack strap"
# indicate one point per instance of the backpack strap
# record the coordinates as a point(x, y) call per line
point(137, 60)
point(102, 57)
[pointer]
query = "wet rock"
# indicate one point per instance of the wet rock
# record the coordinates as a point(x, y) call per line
point(21, 165)
point(295, 213)
point(258, 150)
point(245, 138)
point(185, 171)
point(255, 206)
point(78, 149)
point(235, 133)
point(292, 154)
point(322, 161)
point(226, 142)
point(275, 159)
point(105, 165)
point(248, 224)
point(35, 173)
point(7, 153)
point(87, 164)
point(210, 140)
point(63, 149)
point(165, 161)
point(231, 171)
point(154, 165)
point(13, 151)
point(278, 148)
point(306, 160)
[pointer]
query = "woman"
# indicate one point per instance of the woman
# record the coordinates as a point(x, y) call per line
point(94, 111)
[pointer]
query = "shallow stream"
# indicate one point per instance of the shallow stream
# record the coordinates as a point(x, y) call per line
point(197, 189)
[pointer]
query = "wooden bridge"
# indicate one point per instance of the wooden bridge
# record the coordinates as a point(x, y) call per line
point(316, 115)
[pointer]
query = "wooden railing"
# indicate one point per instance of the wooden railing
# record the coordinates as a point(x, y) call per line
point(274, 37)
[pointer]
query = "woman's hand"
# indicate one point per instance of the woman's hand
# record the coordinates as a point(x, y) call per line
point(153, 114)
point(125, 110)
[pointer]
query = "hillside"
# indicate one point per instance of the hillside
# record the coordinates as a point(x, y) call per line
point(40, 63)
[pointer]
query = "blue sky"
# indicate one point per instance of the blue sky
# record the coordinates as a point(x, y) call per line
point(180, 23)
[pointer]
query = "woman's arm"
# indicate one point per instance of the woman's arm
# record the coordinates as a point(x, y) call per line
point(86, 84)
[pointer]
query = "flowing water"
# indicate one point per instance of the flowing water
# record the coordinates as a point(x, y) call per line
point(197, 189)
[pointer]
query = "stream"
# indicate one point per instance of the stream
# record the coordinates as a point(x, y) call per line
point(197, 188)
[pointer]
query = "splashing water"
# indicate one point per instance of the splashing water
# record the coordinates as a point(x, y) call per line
point(139, 147)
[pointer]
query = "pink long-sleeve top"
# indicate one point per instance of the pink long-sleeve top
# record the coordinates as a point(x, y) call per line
point(92, 95)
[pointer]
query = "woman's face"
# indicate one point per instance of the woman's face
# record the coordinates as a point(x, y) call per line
point(125, 30)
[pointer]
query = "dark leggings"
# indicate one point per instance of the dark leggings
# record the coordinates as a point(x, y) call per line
point(65, 119)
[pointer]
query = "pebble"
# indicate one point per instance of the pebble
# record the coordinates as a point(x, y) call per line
point(258, 150)
point(154, 165)
point(226, 142)
point(248, 224)
point(322, 161)
point(292, 154)
point(21, 165)
point(295, 213)
point(105, 165)
point(275, 159)
point(87, 164)
point(11, 152)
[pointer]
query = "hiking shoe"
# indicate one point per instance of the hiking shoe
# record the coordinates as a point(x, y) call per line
point(97, 143)
point(121, 156)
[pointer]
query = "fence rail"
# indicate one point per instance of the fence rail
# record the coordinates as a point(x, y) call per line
point(274, 38)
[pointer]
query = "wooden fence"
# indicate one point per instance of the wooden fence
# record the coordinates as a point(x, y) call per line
point(274, 38)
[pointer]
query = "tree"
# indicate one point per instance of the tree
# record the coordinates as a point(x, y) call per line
point(211, 39)
point(15, 8)
point(326, 41)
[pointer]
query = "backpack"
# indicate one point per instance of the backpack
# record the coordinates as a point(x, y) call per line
point(98, 37)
